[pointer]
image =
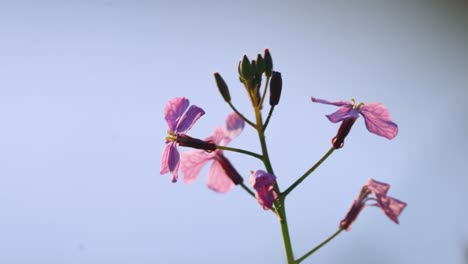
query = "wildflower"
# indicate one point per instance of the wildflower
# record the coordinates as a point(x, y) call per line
point(376, 117)
point(391, 207)
point(179, 121)
point(222, 175)
point(264, 184)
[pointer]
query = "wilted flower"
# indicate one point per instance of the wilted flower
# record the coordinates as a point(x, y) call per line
point(376, 117)
point(392, 207)
point(221, 176)
point(179, 121)
point(264, 184)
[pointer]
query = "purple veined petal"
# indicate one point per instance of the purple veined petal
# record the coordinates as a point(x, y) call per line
point(336, 103)
point(218, 181)
point(173, 110)
point(378, 121)
point(263, 183)
point(192, 162)
point(173, 157)
point(189, 118)
point(345, 112)
point(164, 159)
point(234, 125)
point(377, 188)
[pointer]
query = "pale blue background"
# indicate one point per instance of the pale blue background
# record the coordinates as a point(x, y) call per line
point(83, 84)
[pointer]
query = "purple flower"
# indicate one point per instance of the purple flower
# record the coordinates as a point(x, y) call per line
point(264, 184)
point(391, 207)
point(221, 176)
point(376, 117)
point(179, 121)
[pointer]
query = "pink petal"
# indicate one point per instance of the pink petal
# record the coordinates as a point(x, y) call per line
point(164, 159)
point(378, 120)
point(173, 110)
point(191, 163)
point(377, 188)
point(392, 207)
point(218, 181)
point(263, 183)
point(189, 118)
point(336, 103)
point(234, 125)
point(219, 137)
point(345, 112)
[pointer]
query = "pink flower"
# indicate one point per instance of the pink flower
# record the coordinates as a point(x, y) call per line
point(179, 122)
point(391, 207)
point(376, 117)
point(264, 184)
point(221, 176)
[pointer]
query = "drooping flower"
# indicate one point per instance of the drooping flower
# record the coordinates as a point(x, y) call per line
point(264, 185)
point(179, 121)
point(390, 206)
point(376, 117)
point(222, 176)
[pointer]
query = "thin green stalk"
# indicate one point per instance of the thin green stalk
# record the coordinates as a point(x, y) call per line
point(247, 189)
point(319, 246)
point(241, 115)
point(255, 155)
point(279, 203)
point(265, 90)
point(268, 117)
point(303, 177)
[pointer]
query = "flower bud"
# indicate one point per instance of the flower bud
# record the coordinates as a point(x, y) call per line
point(196, 143)
point(246, 70)
point(260, 64)
point(222, 87)
point(268, 63)
point(276, 84)
point(343, 131)
point(229, 169)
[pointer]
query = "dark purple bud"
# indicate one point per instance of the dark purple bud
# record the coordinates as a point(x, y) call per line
point(222, 87)
point(276, 85)
point(268, 63)
point(196, 143)
point(343, 131)
point(229, 169)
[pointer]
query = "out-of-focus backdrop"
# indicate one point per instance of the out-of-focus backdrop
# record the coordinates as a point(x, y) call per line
point(83, 84)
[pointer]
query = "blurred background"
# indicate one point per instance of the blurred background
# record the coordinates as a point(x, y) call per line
point(83, 84)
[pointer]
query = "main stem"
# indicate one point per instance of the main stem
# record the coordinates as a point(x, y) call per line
point(279, 203)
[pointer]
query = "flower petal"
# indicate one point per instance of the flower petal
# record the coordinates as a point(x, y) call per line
point(191, 163)
point(219, 137)
point(173, 110)
point(234, 125)
point(336, 103)
point(218, 180)
point(378, 120)
point(377, 188)
point(392, 207)
point(345, 112)
point(164, 159)
point(263, 183)
point(189, 118)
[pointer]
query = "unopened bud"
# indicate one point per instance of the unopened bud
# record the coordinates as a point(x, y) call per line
point(231, 172)
point(222, 87)
point(260, 64)
point(246, 70)
point(276, 84)
point(268, 63)
point(196, 143)
point(343, 131)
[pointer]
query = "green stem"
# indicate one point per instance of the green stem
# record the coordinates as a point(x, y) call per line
point(241, 116)
point(319, 246)
point(279, 203)
point(303, 177)
point(247, 189)
point(268, 117)
point(255, 155)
